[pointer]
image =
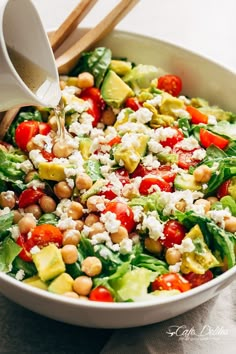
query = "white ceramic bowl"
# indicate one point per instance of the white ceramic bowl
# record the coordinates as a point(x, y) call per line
point(201, 77)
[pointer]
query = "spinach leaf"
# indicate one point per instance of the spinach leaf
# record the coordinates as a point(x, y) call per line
point(28, 268)
point(48, 218)
point(9, 171)
point(96, 62)
point(6, 221)
point(8, 252)
point(185, 126)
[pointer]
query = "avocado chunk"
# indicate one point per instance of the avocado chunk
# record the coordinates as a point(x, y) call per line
point(141, 147)
point(128, 156)
point(169, 104)
point(61, 284)
point(49, 262)
point(141, 76)
point(51, 171)
point(114, 90)
point(36, 282)
point(120, 67)
point(200, 259)
point(186, 181)
point(84, 147)
point(96, 188)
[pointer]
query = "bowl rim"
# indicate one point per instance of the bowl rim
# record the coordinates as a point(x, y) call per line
point(59, 299)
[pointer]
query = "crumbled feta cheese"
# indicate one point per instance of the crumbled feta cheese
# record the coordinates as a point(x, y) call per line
point(154, 226)
point(175, 268)
point(142, 115)
point(212, 119)
point(138, 212)
point(188, 144)
point(186, 245)
point(70, 182)
point(218, 216)
point(101, 237)
point(20, 275)
point(63, 207)
point(5, 211)
point(15, 231)
point(110, 221)
point(35, 250)
point(104, 253)
point(155, 101)
point(184, 99)
point(154, 146)
point(199, 154)
point(36, 157)
point(26, 166)
point(35, 184)
point(126, 246)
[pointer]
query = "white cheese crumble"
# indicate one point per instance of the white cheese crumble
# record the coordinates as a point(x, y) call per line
point(212, 119)
point(188, 144)
point(142, 115)
point(126, 246)
point(102, 237)
point(15, 231)
point(155, 101)
point(185, 246)
point(36, 157)
point(199, 154)
point(175, 268)
point(20, 275)
point(218, 216)
point(154, 226)
point(110, 222)
point(35, 250)
point(26, 166)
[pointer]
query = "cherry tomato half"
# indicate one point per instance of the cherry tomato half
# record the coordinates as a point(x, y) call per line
point(174, 139)
point(25, 131)
point(197, 117)
point(25, 252)
point(198, 279)
point(185, 158)
point(171, 281)
point(94, 110)
point(174, 233)
point(95, 94)
point(44, 234)
point(147, 183)
point(208, 138)
point(171, 84)
point(44, 128)
point(101, 294)
point(29, 196)
point(223, 189)
point(165, 172)
point(123, 213)
point(133, 103)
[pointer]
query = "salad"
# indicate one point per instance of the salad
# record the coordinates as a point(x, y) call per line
point(136, 201)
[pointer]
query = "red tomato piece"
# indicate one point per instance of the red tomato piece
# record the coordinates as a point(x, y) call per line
point(94, 110)
point(101, 294)
point(44, 128)
point(44, 234)
point(115, 140)
point(171, 281)
point(179, 136)
point(174, 233)
point(29, 196)
point(197, 117)
point(185, 158)
point(147, 183)
point(198, 279)
point(95, 94)
point(166, 173)
point(25, 131)
point(133, 103)
point(171, 84)
point(25, 252)
point(223, 189)
point(123, 213)
point(49, 156)
point(123, 177)
point(140, 171)
point(208, 138)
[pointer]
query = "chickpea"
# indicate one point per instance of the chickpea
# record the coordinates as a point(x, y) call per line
point(71, 294)
point(212, 200)
point(69, 254)
point(79, 225)
point(32, 146)
point(85, 80)
point(33, 209)
point(83, 181)
point(75, 210)
point(96, 228)
point(82, 285)
point(129, 191)
point(94, 201)
point(17, 216)
point(47, 204)
point(91, 266)
point(202, 174)
point(108, 117)
point(153, 246)
point(62, 190)
point(121, 234)
point(30, 176)
point(83, 298)
point(71, 237)
point(181, 205)
point(53, 123)
point(62, 84)
point(91, 219)
point(7, 199)
point(62, 149)
point(26, 223)
point(205, 203)
point(230, 224)
point(172, 256)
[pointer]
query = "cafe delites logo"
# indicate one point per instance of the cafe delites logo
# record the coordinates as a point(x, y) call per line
point(184, 333)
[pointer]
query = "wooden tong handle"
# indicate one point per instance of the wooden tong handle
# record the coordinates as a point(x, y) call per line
point(67, 60)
